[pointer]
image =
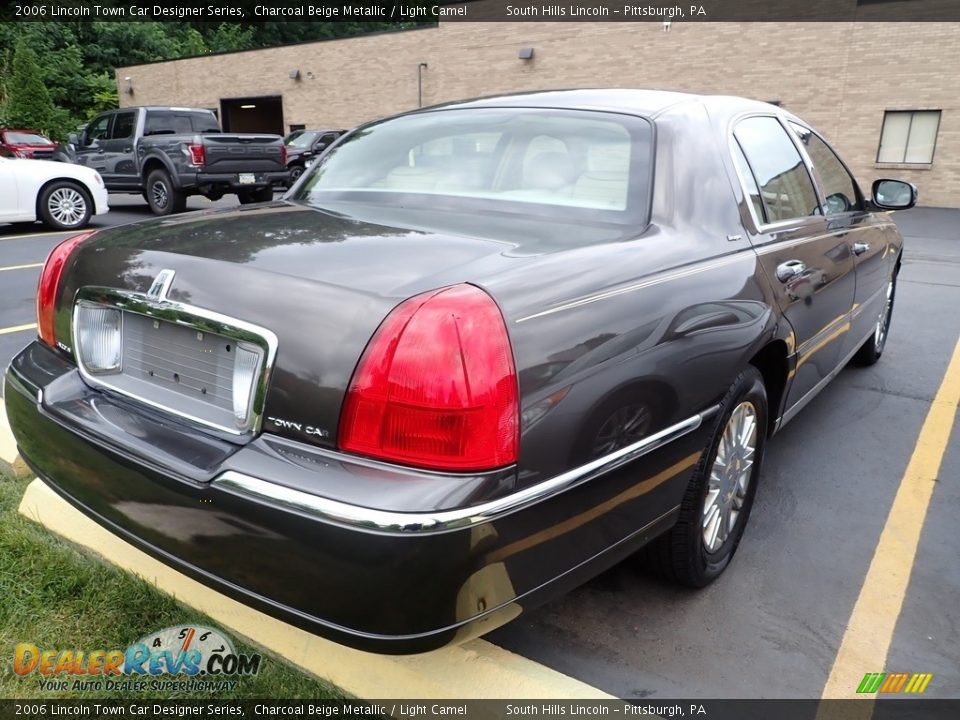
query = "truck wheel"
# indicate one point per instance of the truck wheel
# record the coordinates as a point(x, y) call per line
point(64, 205)
point(258, 195)
point(718, 500)
point(295, 172)
point(162, 196)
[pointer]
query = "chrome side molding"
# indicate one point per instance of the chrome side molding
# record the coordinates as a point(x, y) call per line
point(387, 522)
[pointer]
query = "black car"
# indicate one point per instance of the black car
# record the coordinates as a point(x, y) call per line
point(482, 352)
point(305, 146)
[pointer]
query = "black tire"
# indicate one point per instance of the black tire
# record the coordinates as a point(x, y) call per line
point(162, 197)
point(682, 554)
point(65, 205)
point(257, 195)
point(872, 349)
point(295, 172)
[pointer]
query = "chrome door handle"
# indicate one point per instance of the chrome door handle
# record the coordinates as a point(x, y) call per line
point(789, 270)
point(860, 248)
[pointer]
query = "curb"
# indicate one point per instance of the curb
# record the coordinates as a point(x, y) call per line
point(10, 461)
point(474, 670)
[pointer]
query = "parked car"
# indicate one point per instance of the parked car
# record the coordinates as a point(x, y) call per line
point(169, 153)
point(63, 197)
point(305, 147)
point(28, 144)
point(481, 353)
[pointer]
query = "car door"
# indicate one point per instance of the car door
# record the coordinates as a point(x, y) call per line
point(809, 265)
point(9, 194)
point(120, 169)
point(867, 236)
point(91, 151)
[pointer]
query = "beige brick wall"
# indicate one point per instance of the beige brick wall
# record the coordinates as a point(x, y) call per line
point(840, 77)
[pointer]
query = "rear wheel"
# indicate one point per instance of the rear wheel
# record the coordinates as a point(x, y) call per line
point(872, 349)
point(65, 206)
point(257, 195)
point(717, 504)
point(162, 196)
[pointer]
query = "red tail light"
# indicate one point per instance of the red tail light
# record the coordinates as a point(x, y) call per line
point(436, 387)
point(283, 154)
point(50, 283)
point(198, 154)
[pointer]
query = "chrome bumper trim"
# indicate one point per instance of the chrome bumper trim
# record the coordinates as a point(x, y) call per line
point(385, 521)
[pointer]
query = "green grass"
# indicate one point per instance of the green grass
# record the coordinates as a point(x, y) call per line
point(58, 597)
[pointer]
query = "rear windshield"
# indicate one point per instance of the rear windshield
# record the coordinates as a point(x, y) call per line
point(25, 138)
point(493, 171)
point(180, 122)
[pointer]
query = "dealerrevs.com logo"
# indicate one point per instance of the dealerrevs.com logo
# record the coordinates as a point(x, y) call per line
point(183, 657)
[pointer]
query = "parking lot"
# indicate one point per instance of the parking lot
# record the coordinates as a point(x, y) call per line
point(774, 624)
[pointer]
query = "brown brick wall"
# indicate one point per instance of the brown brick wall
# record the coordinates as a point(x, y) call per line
point(840, 77)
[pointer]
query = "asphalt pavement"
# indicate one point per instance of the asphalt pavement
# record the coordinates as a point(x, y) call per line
point(776, 623)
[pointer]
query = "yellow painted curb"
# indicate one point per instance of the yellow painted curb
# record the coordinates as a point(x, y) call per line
point(474, 670)
point(10, 462)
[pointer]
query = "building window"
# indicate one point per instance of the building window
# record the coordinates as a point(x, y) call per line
point(909, 136)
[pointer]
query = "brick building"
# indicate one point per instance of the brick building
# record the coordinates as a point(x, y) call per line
point(886, 94)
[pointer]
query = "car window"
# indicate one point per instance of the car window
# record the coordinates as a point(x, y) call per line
point(123, 125)
point(496, 166)
point(749, 182)
point(180, 122)
point(26, 138)
point(97, 130)
point(839, 188)
point(329, 138)
point(786, 189)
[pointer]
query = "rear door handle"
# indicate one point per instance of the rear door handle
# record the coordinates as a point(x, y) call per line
point(860, 248)
point(790, 269)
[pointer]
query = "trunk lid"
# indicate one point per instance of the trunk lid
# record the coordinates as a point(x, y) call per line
point(321, 283)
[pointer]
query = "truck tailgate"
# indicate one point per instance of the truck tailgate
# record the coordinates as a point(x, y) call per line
point(243, 153)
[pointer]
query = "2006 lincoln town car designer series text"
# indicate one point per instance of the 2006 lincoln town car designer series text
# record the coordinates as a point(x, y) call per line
point(476, 355)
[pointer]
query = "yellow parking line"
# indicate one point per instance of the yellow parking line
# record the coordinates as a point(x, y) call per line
point(17, 328)
point(21, 267)
point(869, 632)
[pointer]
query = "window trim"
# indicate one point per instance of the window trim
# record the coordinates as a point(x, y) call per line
point(771, 227)
point(936, 136)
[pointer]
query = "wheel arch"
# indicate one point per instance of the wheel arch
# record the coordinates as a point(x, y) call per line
point(772, 362)
point(158, 162)
point(87, 190)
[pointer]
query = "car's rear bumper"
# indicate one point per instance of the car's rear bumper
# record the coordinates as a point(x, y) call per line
point(375, 578)
point(232, 180)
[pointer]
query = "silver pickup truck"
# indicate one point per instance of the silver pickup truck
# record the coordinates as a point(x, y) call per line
point(169, 153)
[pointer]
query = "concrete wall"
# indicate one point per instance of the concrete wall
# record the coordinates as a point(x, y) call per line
point(840, 77)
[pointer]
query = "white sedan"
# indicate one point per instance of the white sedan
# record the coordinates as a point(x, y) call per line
point(62, 196)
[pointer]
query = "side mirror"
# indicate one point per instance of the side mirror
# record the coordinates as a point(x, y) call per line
point(73, 139)
point(894, 194)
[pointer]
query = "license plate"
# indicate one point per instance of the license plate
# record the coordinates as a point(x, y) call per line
point(246, 178)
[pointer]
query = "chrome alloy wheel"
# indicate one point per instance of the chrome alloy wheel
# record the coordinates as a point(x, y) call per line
point(730, 476)
point(883, 323)
point(160, 196)
point(67, 206)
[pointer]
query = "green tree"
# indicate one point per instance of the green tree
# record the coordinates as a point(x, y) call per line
point(28, 101)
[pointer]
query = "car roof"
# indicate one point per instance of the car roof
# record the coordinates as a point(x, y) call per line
point(648, 103)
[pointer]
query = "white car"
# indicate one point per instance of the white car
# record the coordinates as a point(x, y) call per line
point(62, 196)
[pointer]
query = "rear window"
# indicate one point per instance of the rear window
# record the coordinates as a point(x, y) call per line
point(488, 169)
point(179, 122)
point(24, 138)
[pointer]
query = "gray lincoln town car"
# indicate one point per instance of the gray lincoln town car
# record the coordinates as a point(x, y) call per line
point(476, 355)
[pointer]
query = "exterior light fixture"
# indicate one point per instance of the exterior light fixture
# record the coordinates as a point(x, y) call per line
point(294, 74)
point(525, 54)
